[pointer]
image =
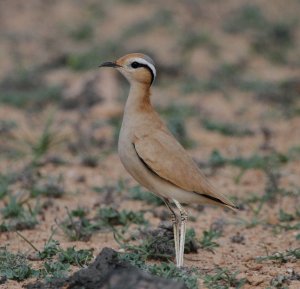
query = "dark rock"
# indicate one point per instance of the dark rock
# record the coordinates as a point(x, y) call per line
point(218, 225)
point(133, 278)
point(94, 276)
point(160, 241)
point(108, 272)
point(238, 238)
point(3, 279)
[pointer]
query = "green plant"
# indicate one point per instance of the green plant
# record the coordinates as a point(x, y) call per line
point(223, 279)
point(52, 187)
point(53, 270)
point(4, 185)
point(86, 60)
point(286, 227)
point(279, 282)
point(82, 32)
point(281, 257)
point(192, 40)
point(75, 257)
point(82, 61)
point(207, 240)
point(226, 75)
point(247, 17)
point(228, 129)
point(191, 243)
point(13, 209)
point(117, 188)
point(282, 94)
point(7, 125)
point(252, 162)
point(17, 217)
point(77, 226)
point(153, 247)
point(160, 18)
point(133, 258)
point(14, 266)
point(5, 181)
point(26, 89)
point(285, 217)
point(47, 139)
point(169, 270)
point(274, 41)
point(256, 218)
point(51, 248)
point(111, 217)
point(137, 193)
point(116, 123)
point(176, 116)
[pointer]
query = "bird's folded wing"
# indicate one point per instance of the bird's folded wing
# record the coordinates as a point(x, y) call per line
point(168, 159)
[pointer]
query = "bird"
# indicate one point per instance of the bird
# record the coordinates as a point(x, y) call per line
point(153, 156)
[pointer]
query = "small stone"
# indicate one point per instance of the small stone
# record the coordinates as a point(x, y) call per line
point(255, 280)
point(238, 238)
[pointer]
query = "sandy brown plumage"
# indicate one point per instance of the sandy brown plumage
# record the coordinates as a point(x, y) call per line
point(152, 155)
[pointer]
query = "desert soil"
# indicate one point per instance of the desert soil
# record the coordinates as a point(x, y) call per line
point(43, 37)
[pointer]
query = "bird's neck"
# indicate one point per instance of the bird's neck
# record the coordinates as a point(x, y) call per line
point(138, 99)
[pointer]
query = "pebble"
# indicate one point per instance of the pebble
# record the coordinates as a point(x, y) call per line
point(255, 280)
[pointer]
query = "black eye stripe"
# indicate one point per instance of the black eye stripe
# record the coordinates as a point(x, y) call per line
point(136, 64)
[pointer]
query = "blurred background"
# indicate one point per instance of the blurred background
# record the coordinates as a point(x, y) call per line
point(228, 87)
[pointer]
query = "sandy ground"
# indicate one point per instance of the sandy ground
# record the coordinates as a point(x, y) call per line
point(36, 34)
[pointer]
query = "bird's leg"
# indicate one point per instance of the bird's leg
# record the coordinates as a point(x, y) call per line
point(175, 222)
point(184, 217)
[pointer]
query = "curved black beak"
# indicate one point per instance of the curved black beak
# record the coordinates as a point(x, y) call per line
point(109, 64)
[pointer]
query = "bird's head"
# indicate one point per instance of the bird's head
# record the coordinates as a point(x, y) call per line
point(136, 67)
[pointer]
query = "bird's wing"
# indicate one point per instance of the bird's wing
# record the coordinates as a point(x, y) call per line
point(165, 157)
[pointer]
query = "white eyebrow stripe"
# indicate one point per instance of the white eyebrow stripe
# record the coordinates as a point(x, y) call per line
point(150, 65)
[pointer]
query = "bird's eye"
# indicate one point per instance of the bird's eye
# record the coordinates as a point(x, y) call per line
point(135, 64)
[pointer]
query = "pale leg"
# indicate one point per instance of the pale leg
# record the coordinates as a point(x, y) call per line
point(183, 216)
point(175, 222)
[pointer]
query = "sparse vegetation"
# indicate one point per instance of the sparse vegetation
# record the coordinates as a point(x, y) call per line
point(247, 17)
point(111, 217)
point(274, 41)
point(194, 40)
point(78, 258)
point(17, 217)
point(14, 266)
point(86, 60)
point(137, 193)
point(52, 187)
point(167, 270)
point(83, 32)
point(4, 184)
point(252, 162)
point(26, 88)
point(207, 240)
point(47, 139)
point(189, 277)
point(228, 129)
point(228, 88)
point(223, 278)
point(77, 227)
point(282, 257)
point(56, 262)
point(176, 117)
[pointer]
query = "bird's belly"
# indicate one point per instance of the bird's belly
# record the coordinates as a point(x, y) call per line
point(151, 181)
point(134, 165)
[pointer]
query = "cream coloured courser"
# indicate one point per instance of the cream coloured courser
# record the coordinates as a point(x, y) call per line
point(152, 155)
